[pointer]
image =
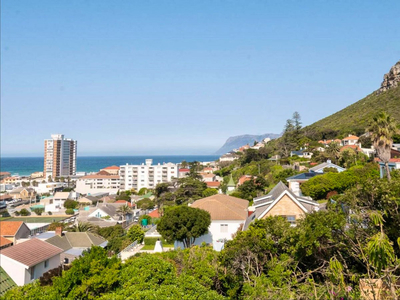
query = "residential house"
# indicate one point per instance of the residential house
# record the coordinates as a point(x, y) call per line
point(258, 146)
point(301, 153)
point(50, 187)
point(112, 170)
point(23, 193)
point(394, 164)
point(228, 215)
point(154, 214)
point(88, 200)
point(350, 140)
point(245, 178)
point(4, 243)
point(124, 202)
point(208, 177)
point(327, 142)
point(56, 202)
point(281, 201)
point(108, 198)
point(213, 184)
point(328, 164)
point(13, 231)
point(6, 197)
point(208, 170)
point(28, 261)
point(10, 180)
point(95, 183)
point(111, 211)
point(4, 175)
point(74, 243)
point(228, 157)
point(183, 172)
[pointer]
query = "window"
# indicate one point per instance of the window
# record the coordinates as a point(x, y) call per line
point(46, 263)
point(224, 227)
point(32, 272)
point(291, 219)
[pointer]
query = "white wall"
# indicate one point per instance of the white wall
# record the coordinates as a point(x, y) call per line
point(86, 186)
point(54, 262)
point(214, 234)
point(14, 269)
point(101, 213)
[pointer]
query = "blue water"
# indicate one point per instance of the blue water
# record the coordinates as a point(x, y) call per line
point(28, 165)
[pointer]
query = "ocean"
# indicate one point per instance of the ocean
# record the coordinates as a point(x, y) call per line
point(27, 165)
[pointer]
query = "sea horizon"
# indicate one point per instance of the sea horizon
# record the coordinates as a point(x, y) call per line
point(24, 166)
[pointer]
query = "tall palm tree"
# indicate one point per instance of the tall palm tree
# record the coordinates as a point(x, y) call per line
point(382, 129)
point(82, 227)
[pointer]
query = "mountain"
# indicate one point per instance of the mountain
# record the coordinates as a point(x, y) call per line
point(235, 142)
point(356, 117)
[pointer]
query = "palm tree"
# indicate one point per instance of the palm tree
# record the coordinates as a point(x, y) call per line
point(382, 130)
point(123, 210)
point(333, 150)
point(82, 227)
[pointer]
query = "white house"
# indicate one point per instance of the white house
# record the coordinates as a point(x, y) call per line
point(350, 140)
point(228, 157)
point(56, 202)
point(228, 214)
point(28, 261)
point(48, 187)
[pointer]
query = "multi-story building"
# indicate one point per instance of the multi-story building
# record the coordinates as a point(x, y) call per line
point(96, 183)
point(59, 156)
point(147, 175)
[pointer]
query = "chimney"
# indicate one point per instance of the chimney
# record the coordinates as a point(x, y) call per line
point(59, 231)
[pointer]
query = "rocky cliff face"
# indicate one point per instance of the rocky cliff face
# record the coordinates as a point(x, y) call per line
point(391, 79)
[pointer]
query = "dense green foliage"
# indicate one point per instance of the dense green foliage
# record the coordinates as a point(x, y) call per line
point(184, 224)
point(355, 118)
point(71, 204)
point(135, 233)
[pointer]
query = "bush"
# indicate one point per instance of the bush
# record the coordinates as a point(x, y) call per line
point(135, 233)
point(145, 204)
point(145, 217)
point(70, 204)
point(50, 213)
point(69, 211)
point(38, 211)
point(54, 225)
point(17, 213)
point(24, 212)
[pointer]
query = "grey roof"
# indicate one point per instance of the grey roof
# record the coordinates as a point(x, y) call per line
point(299, 152)
point(111, 209)
point(76, 240)
point(20, 189)
point(266, 201)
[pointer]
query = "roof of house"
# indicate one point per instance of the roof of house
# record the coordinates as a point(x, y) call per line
point(112, 168)
point(245, 178)
point(124, 202)
point(31, 252)
point(10, 228)
point(324, 165)
point(351, 137)
point(184, 170)
point(110, 208)
point(298, 152)
point(88, 199)
point(154, 214)
point(213, 183)
point(3, 197)
point(20, 189)
point(392, 160)
point(76, 240)
point(354, 147)
point(223, 207)
point(61, 195)
point(96, 176)
point(4, 241)
point(6, 282)
point(208, 175)
point(208, 169)
point(303, 176)
point(4, 173)
point(266, 202)
point(102, 172)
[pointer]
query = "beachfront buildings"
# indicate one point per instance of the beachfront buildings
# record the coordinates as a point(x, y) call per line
point(146, 175)
point(97, 183)
point(59, 157)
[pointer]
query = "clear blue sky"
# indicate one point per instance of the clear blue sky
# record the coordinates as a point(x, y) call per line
point(180, 77)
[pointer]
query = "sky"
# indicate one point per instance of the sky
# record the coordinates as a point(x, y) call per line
point(180, 77)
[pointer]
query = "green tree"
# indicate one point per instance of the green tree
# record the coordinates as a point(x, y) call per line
point(142, 191)
point(82, 227)
point(184, 224)
point(135, 233)
point(382, 129)
point(69, 211)
point(72, 204)
point(38, 211)
point(24, 212)
point(209, 192)
point(123, 210)
point(333, 150)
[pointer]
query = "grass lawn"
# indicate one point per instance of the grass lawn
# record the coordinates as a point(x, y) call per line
point(47, 219)
point(149, 243)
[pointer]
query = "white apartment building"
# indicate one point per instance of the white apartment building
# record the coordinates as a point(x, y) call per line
point(92, 184)
point(59, 156)
point(147, 175)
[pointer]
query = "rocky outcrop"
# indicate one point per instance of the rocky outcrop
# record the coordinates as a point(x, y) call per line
point(391, 79)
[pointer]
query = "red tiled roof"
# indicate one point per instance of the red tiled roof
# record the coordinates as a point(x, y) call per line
point(9, 228)
point(5, 173)
point(245, 178)
point(354, 147)
point(154, 214)
point(2, 197)
point(213, 184)
point(184, 170)
point(31, 252)
point(208, 169)
point(112, 168)
point(396, 160)
point(124, 201)
point(95, 176)
point(102, 172)
point(4, 241)
point(351, 137)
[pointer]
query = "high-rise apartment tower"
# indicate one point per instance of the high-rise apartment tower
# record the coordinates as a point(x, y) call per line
point(59, 157)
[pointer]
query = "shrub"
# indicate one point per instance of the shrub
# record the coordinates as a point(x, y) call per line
point(70, 204)
point(38, 211)
point(69, 211)
point(24, 212)
point(54, 225)
point(50, 213)
point(135, 233)
point(17, 213)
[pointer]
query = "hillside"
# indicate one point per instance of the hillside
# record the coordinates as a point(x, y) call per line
point(241, 140)
point(356, 117)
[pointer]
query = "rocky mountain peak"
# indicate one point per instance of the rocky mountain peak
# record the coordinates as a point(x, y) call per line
point(391, 79)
